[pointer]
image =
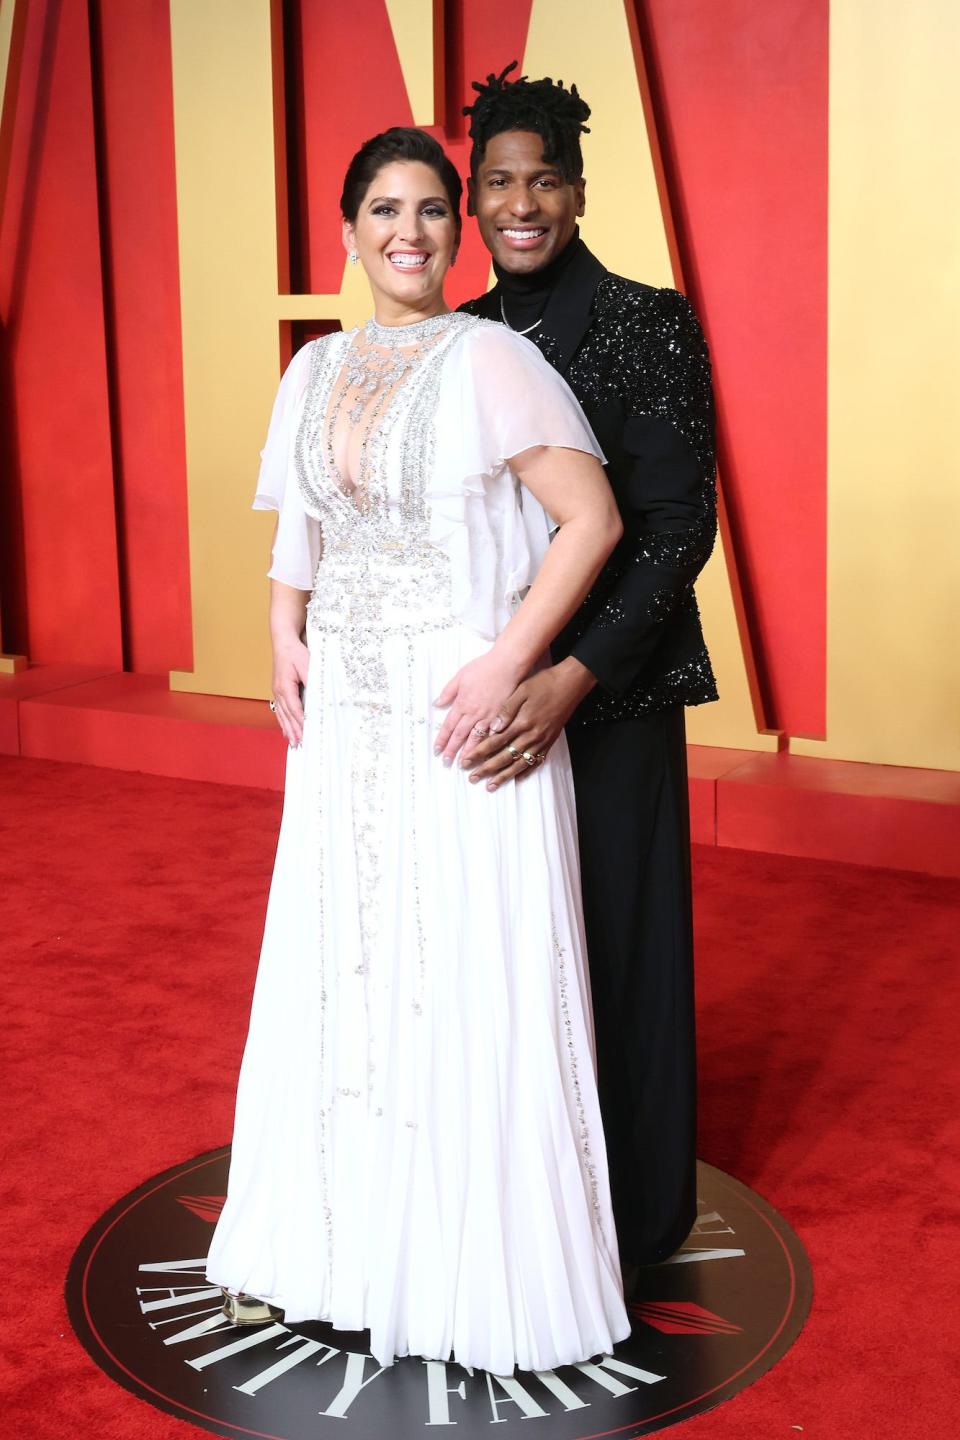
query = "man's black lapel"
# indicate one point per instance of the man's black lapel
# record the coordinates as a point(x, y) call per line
point(568, 314)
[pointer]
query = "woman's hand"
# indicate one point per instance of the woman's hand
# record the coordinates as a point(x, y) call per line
point(473, 696)
point(291, 664)
point(533, 716)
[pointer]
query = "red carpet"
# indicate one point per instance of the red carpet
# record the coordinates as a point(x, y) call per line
point(132, 909)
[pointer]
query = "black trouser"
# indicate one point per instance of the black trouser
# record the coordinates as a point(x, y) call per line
point(633, 818)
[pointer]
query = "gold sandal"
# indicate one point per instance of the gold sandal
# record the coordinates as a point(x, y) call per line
point(242, 1309)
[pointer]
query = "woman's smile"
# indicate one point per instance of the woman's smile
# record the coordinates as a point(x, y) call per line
point(408, 259)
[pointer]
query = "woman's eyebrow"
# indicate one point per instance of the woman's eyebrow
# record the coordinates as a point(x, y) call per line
point(393, 200)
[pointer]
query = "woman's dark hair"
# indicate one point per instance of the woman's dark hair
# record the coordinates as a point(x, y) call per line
point(542, 106)
point(401, 142)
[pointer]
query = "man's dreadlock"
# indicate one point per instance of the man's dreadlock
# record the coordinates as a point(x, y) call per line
point(542, 106)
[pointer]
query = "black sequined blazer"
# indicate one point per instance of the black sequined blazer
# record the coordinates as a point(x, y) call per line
point(636, 359)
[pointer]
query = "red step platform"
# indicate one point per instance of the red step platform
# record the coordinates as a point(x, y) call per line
point(887, 815)
point(36, 680)
point(793, 805)
point(136, 722)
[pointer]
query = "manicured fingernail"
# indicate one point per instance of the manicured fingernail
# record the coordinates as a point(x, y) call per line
point(491, 784)
point(474, 779)
point(498, 723)
point(436, 749)
point(447, 760)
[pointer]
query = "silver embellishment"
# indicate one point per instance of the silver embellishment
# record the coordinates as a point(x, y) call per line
point(415, 334)
point(612, 613)
point(411, 718)
point(317, 667)
point(583, 1131)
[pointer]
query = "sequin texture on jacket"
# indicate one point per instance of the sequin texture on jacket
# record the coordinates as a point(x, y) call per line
point(636, 359)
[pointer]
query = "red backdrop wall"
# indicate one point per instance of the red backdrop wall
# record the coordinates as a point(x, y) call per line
point(741, 102)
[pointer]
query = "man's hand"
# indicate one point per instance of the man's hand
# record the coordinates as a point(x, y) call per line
point(532, 718)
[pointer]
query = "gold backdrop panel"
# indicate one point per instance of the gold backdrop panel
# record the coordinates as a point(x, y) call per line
point(414, 34)
point(227, 221)
point(893, 598)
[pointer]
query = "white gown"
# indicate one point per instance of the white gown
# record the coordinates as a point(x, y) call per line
point(418, 1148)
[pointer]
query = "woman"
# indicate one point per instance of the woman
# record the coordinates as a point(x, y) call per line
point(417, 1148)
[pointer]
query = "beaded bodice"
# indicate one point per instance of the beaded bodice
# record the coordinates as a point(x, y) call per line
point(363, 446)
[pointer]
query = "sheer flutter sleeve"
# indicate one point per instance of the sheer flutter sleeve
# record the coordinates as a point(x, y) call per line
point(501, 397)
point(515, 400)
point(296, 545)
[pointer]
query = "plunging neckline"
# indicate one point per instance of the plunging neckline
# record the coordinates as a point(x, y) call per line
point(363, 400)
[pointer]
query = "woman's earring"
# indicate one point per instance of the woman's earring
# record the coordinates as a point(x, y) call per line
point(354, 257)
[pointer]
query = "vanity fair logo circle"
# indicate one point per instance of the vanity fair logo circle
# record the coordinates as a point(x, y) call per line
point(711, 1319)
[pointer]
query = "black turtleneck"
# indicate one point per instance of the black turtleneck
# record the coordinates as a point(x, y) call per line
point(525, 296)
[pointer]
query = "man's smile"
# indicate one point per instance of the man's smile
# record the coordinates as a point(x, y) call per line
point(525, 237)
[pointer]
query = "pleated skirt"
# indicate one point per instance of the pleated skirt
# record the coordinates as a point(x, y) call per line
point(418, 1149)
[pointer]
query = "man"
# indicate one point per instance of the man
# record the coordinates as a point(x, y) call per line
point(633, 656)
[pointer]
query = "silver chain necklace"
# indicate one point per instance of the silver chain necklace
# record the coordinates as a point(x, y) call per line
point(503, 316)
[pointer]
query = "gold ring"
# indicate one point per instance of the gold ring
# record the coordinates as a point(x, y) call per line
point(530, 758)
point(480, 730)
point(512, 750)
point(273, 706)
point(541, 756)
